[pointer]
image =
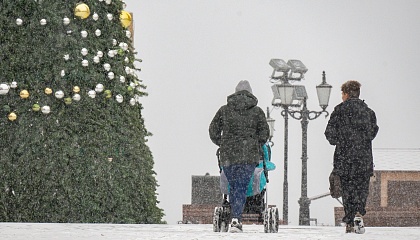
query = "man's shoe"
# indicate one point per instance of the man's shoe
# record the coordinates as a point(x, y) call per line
point(235, 226)
point(359, 226)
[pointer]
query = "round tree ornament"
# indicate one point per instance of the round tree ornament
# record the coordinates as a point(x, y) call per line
point(92, 94)
point(66, 21)
point(76, 89)
point(45, 109)
point(98, 32)
point(4, 89)
point(13, 84)
point(12, 116)
point(36, 107)
point(67, 100)
point(84, 51)
point(76, 97)
point(85, 63)
point(111, 75)
point(19, 22)
point(110, 16)
point(43, 22)
point(48, 91)
point(119, 98)
point(108, 93)
point(95, 16)
point(84, 34)
point(24, 94)
point(59, 94)
point(99, 88)
point(82, 11)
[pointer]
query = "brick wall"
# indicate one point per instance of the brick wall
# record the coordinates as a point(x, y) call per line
point(394, 200)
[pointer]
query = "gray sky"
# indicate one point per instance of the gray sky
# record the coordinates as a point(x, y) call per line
point(195, 52)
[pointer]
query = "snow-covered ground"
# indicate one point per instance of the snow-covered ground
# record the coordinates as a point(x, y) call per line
point(38, 231)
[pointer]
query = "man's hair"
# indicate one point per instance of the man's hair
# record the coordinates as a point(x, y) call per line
point(352, 88)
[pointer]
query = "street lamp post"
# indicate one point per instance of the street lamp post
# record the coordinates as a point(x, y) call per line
point(295, 96)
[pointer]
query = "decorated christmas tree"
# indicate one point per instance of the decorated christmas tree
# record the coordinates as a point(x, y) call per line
point(72, 136)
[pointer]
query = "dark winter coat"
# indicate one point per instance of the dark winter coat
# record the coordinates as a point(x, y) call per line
point(351, 128)
point(240, 129)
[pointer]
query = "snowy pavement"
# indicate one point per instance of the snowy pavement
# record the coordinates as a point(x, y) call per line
point(38, 231)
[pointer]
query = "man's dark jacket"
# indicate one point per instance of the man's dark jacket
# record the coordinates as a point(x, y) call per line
point(240, 129)
point(351, 128)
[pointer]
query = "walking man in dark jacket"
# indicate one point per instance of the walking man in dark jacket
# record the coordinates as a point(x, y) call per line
point(351, 128)
point(240, 129)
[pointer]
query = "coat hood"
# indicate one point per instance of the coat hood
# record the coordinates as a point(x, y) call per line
point(242, 100)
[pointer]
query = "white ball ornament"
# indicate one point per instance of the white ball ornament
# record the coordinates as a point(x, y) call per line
point(99, 88)
point(84, 34)
point(19, 22)
point(92, 94)
point(84, 51)
point(76, 97)
point(85, 63)
point(98, 32)
point(133, 84)
point(107, 67)
point(66, 57)
point(100, 54)
point(111, 75)
point(114, 42)
point(111, 53)
point(101, 0)
point(43, 22)
point(127, 70)
point(95, 16)
point(59, 94)
point(110, 16)
point(96, 59)
point(126, 60)
point(4, 88)
point(66, 21)
point(119, 98)
point(13, 84)
point(63, 73)
point(128, 34)
point(108, 2)
point(122, 79)
point(132, 101)
point(45, 109)
point(69, 32)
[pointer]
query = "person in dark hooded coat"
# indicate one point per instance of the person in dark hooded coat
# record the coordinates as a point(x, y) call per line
point(351, 128)
point(240, 130)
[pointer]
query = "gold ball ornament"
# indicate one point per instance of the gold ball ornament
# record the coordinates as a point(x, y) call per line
point(24, 94)
point(125, 18)
point(36, 107)
point(12, 116)
point(76, 89)
point(82, 11)
point(48, 91)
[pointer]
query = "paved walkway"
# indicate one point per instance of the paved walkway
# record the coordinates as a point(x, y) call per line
point(38, 231)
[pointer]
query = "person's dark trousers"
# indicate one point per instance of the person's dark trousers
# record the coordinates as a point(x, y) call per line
point(355, 192)
point(238, 177)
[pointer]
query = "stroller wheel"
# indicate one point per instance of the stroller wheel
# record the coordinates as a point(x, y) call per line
point(225, 219)
point(274, 220)
point(266, 215)
point(224, 226)
point(217, 219)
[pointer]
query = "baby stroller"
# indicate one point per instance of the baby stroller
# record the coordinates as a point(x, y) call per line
point(256, 197)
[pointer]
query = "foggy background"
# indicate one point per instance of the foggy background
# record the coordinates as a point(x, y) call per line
point(195, 52)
